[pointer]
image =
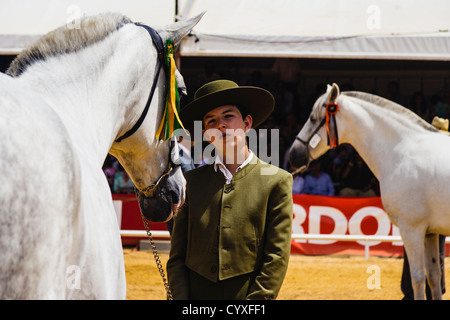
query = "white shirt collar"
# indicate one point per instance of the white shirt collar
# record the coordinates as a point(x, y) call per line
point(218, 163)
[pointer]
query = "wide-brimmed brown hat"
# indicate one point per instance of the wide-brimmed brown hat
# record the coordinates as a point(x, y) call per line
point(258, 102)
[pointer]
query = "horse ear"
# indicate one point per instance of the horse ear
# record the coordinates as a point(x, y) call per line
point(176, 31)
point(333, 93)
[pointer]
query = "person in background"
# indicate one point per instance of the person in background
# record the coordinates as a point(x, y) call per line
point(297, 183)
point(122, 182)
point(358, 180)
point(442, 108)
point(318, 182)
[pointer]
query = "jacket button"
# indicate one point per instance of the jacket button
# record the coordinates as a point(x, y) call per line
point(228, 189)
point(213, 269)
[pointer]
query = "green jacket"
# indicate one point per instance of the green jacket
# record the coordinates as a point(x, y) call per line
point(226, 230)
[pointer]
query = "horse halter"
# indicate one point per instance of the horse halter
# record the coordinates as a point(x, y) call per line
point(157, 41)
point(330, 118)
point(174, 162)
point(159, 44)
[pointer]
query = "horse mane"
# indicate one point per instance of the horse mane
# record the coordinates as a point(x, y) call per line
point(390, 105)
point(65, 40)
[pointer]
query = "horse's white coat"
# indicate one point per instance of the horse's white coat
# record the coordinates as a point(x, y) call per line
point(410, 158)
point(59, 237)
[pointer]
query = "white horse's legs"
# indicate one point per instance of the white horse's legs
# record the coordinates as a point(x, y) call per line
point(432, 265)
point(415, 249)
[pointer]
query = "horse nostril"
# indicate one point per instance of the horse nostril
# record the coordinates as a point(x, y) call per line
point(298, 155)
point(176, 196)
point(293, 160)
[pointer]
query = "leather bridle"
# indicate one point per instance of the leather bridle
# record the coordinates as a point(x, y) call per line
point(333, 141)
point(159, 44)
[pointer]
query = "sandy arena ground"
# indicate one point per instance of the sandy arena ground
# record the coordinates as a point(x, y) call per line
point(308, 277)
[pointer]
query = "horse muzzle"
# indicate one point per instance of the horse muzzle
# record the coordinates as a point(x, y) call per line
point(165, 200)
point(299, 156)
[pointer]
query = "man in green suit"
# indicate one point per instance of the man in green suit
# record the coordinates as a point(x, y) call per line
point(231, 238)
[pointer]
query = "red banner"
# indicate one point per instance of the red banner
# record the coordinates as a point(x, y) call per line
point(312, 215)
point(342, 216)
point(129, 217)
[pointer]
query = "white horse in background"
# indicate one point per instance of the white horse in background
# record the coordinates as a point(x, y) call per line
point(411, 160)
point(64, 103)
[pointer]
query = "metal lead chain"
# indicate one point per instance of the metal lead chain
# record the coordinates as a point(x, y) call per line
point(158, 261)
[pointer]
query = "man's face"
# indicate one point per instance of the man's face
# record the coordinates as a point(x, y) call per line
point(225, 128)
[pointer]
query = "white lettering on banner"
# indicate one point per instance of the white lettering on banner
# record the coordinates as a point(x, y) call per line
point(384, 224)
point(341, 223)
point(299, 218)
point(316, 213)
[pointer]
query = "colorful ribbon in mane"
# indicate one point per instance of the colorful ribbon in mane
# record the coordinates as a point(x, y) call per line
point(331, 110)
point(170, 121)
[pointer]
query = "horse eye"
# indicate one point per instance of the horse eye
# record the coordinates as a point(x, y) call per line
point(182, 91)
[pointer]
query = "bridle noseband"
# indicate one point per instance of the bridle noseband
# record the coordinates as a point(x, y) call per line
point(151, 189)
point(306, 143)
point(159, 44)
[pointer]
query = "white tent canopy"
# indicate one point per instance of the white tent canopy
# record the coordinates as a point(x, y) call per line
point(363, 29)
point(23, 22)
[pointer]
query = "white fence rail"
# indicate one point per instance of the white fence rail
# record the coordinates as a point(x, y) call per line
point(366, 239)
